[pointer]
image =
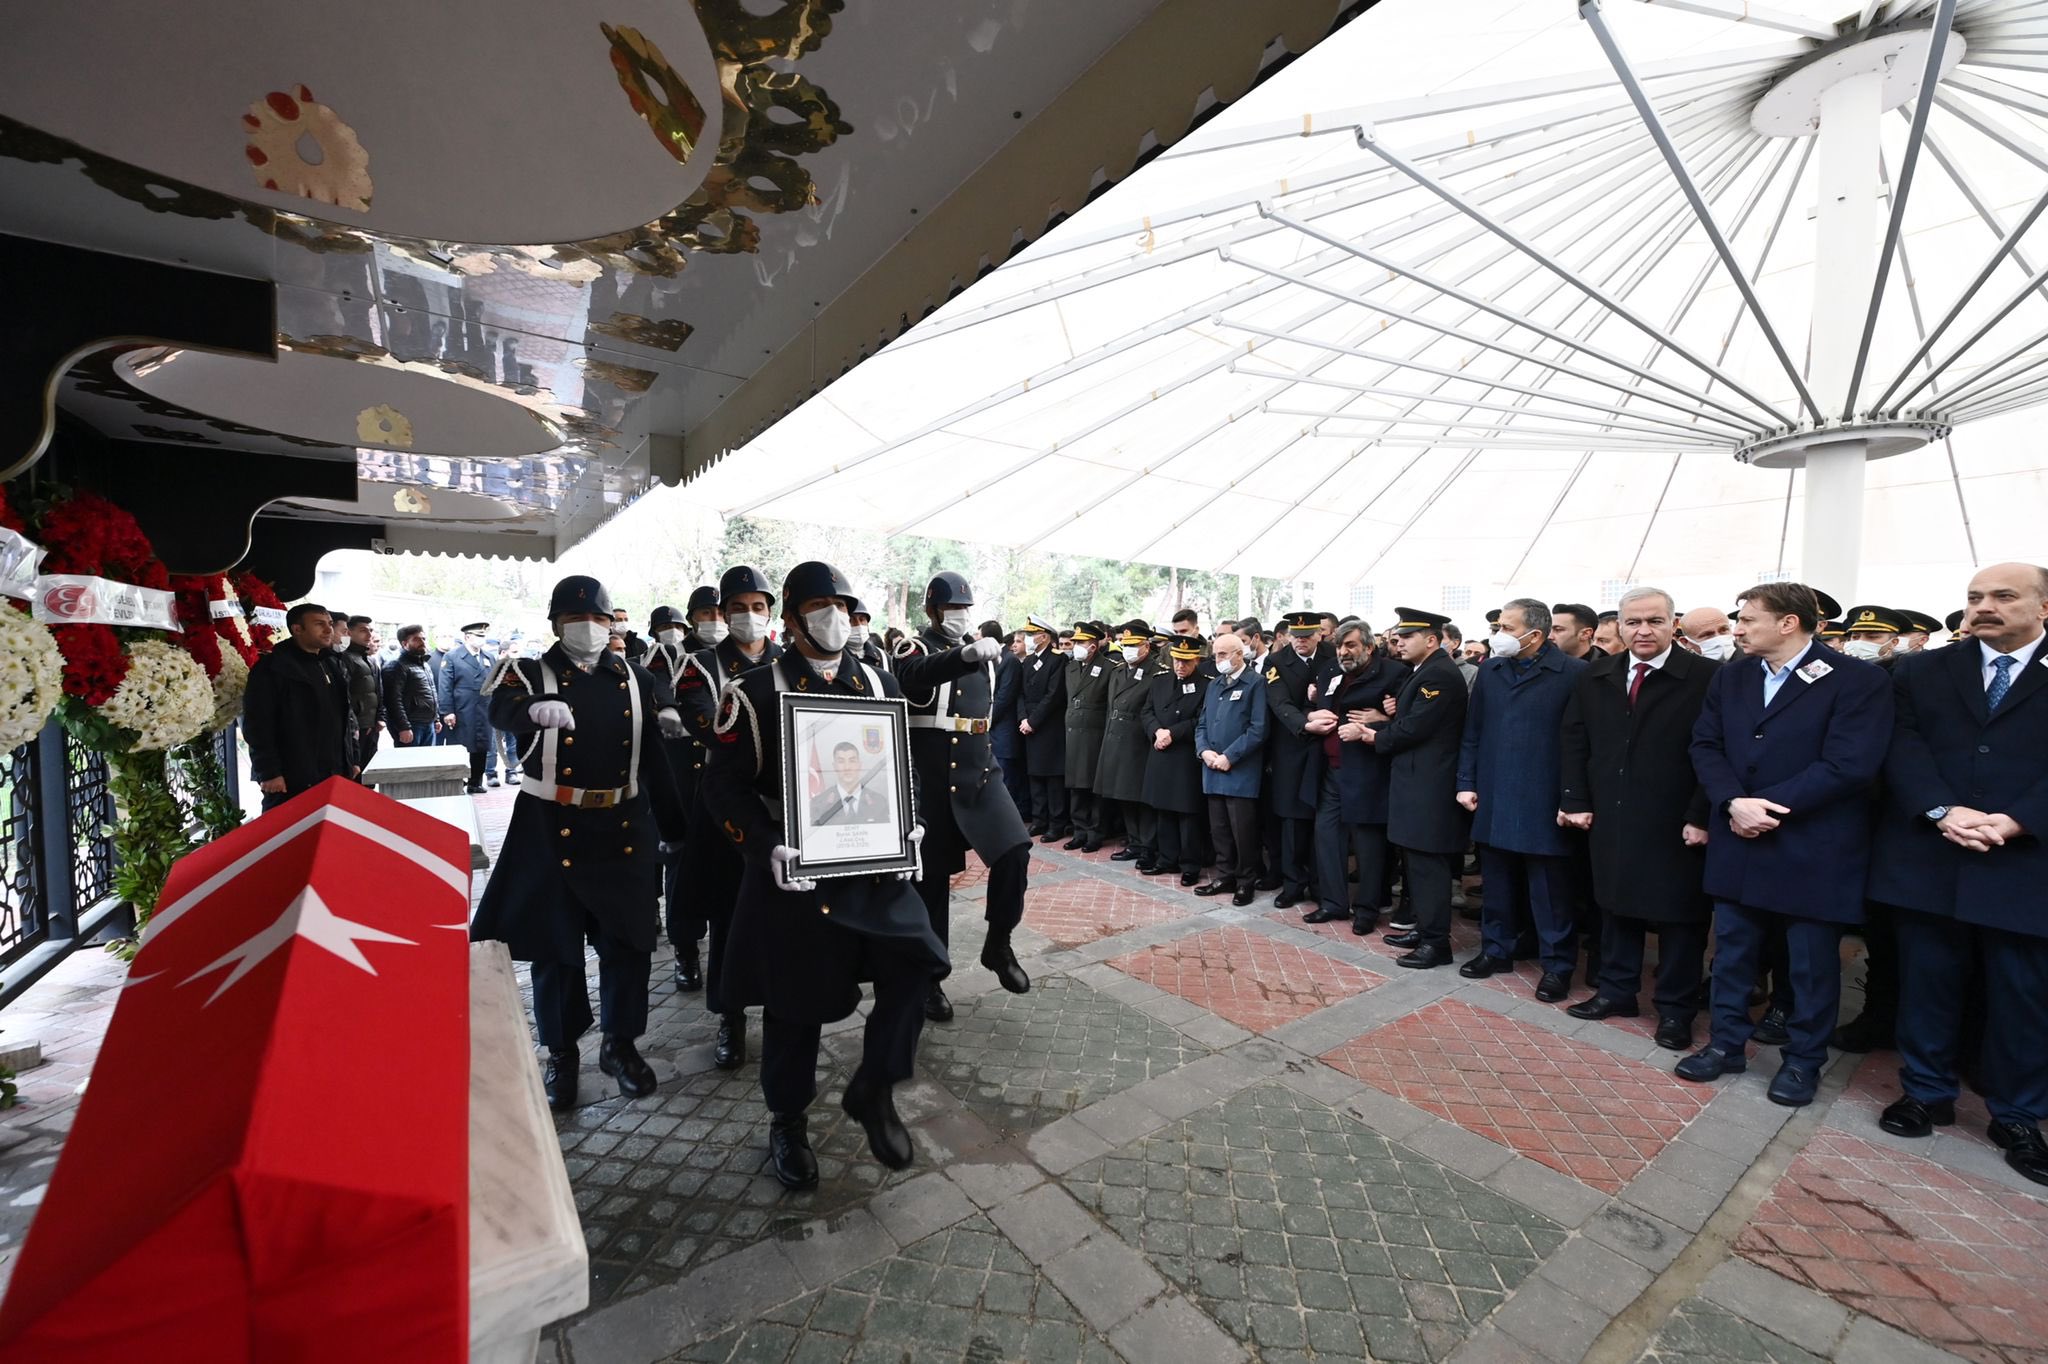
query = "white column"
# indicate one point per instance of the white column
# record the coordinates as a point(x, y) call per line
point(1845, 268)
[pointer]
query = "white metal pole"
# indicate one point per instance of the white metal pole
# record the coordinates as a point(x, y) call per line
point(1845, 266)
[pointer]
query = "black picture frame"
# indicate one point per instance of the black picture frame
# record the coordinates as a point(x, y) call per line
point(870, 834)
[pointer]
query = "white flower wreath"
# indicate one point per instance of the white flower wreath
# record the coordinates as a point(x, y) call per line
point(31, 678)
point(228, 685)
point(166, 698)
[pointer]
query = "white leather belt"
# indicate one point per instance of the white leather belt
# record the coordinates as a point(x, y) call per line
point(958, 724)
point(583, 798)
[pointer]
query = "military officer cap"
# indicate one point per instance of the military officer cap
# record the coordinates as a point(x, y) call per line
point(1086, 631)
point(743, 579)
point(1830, 609)
point(1303, 622)
point(1040, 624)
point(665, 616)
point(476, 627)
point(1954, 622)
point(1832, 629)
point(1134, 632)
point(1187, 648)
point(703, 599)
point(1492, 617)
point(1410, 620)
point(578, 595)
point(1162, 638)
point(1919, 622)
point(948, 589)
point(1874, 620)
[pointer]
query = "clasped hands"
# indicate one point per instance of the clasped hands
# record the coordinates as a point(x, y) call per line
point(1977, 831)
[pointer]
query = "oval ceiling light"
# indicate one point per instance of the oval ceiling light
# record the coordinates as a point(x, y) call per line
point(342, 402)
point(501, 122)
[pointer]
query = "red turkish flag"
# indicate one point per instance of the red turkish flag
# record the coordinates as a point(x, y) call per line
point(271, 1161)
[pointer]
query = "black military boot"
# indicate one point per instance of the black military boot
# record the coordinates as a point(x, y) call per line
point(689, 973)
point(558, 1078)
point(937, 1007)
point(730, 1051)
point(618, 1057)
point(997, 956)
point(874, 1108)
point(789, 1151)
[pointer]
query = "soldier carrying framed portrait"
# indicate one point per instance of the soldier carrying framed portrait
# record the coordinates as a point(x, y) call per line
point(847, 800)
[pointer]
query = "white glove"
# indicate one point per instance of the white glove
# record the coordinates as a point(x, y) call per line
point(671, 723)
point(779, 859)
point(549, 714)
point(916, 845)
point(981, 650)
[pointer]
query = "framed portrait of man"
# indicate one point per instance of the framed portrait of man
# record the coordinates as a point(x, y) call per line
point(846, 794)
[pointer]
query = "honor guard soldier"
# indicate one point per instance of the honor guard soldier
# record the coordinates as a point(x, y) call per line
point(669, 658)
point(1044, 727)
point(1125, 743)
point(947, 672)
point(1424, 820)
point(744, 600)
point(580, 859)
point(1173, 769)
point(798, 949)
point(862, 642)
point(1087, 714)
point(1290, 674)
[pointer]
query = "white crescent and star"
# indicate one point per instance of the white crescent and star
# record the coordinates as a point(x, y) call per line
point(308, 917)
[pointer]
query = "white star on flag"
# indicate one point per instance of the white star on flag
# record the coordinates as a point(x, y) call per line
point(306, 917)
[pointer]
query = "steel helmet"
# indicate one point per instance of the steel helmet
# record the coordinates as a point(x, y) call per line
point(579, 595)
point(703, 599)
point(948, 589)
point(812, 578)
point(666, 615)
point(743, 579)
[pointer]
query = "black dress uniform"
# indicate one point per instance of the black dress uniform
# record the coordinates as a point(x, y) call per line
point(1351, 779)
point(1290, 750)
point(1173, 775)
point(1424, 818)
point(694, 688)
point(580, 859)
point(1087, 714)
point(802, 954)
point(1126, 744)
point(1044, 708)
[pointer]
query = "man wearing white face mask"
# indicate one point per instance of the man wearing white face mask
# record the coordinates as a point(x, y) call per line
point(669, 658)
point(580, 862)
point(1044, 727)
point(1875, 634)
point(1710, 632)
point(1087, 715)
point(861, 640)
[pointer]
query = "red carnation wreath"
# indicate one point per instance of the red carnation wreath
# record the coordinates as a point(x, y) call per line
point(255, 592)
point(196, 635)
point(85, 533)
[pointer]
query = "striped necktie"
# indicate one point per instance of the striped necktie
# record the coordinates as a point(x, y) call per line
point(2000, 684)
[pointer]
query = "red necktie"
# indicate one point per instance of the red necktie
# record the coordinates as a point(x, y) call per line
point(1636, 684)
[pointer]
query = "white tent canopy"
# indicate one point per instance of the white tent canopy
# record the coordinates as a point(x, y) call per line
point(1442, 311)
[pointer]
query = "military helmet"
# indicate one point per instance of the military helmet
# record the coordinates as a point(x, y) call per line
point(743, 579)
point(813, 578)
point(579, 595)
point(665, 616)
point(948, 589)
point(857, 607)
point(703, 599)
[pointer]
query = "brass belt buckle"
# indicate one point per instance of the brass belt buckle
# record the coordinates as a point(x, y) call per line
point(600, 800)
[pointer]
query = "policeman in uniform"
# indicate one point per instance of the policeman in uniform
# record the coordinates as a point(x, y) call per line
point(1173, 769)
point(464, 712)
point(744, 600)
point(1876, 634)
point(1044, 726)
point(1290, 750)
point(669, 659)
point(798, 949)
point(947, 672)
point(1424, 820)
point(580, 859)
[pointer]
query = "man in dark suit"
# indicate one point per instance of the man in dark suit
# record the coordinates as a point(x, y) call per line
point(1173, 770)
point(1290, 674)
point(1424, 820)
point(1787, 746)
point(1349, 778)
point(1004, 739)
point(848, 800)
point(1960, 853)
point(1628, 781)
point(1042, 708)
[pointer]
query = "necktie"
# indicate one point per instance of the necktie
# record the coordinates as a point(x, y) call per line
point(2000, 684)
point(1635, 683)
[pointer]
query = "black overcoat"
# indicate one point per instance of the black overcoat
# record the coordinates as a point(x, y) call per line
point(1044, 704)
point(1087, 717)
point(961, 795)
point(1421, 743)
point(1173, 775)
point(1363, 771)
point(1289, 749)
point(1126, 742)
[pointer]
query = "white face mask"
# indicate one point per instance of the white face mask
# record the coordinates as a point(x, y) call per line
point(953, 622)
point(584, 640)
point(1130, 653)
point(857, 637)
point(341, 644)
point(1226, 667)
point(1079, 653)
point(669, 634)
point(829, 628)
point(1504, 645)
point(1869, 650)
point(1720, 648)
point(711, 631)
point(748, 627)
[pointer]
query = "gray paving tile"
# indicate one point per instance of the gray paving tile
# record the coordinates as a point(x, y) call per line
point(1800, 1315)
point(1059, 1146)
point(1591, 1272)
point(1106, 1279)
point(915, 1209)
point(824, 1248)
point(1120, 1118)
point(1550, 1322)
point(1870, 1341)
point(1174, 1331)
point(994, 1175)
point(1557, 1196)
point(1044, 1222)
point(1650, 1241)
point(1701, 1332)
point(1673, 1199)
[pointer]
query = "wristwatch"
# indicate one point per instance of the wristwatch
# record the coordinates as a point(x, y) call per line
point(1938, 813)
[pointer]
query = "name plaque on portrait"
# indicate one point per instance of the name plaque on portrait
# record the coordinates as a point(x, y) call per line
point(846, 793)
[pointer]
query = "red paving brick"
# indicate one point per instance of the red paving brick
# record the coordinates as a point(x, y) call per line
point(1255, 981)
point(1568, 1104)
point(977, 872)
point(1083, 909)
point(1948, 1257)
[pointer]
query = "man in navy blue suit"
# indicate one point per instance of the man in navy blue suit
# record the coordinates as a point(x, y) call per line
point(1787, 746)
point(1960, 853)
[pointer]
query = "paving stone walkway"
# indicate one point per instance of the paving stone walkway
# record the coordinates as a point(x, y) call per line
point(1214, 1134)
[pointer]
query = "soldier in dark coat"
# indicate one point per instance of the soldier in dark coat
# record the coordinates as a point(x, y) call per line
point(1006, 742)
point(1628, 780)
point(1424, 819)
point(580, 860)
point(947, 672)
point(1173, 769)
point(801, 949)
point(1350, 777)
point(464, 713)
point(1290, 672)
point(1087, 714)
point(1126, 742)
point(669, 657)
point(1043, 704)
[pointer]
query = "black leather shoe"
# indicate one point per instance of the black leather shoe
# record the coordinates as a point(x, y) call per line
point(875, 1110)
point(475, 790)
point(1288, 898)
point(937, 1007)
point(1554, 986)
point(730, 1051)
point(1148, 868)
point(1214, 887)
point(1092, 846)
point(1075, 843)
point(1482, 966)
point(1321, 914)
point(2023, 1147)
point(1407, 937)
point(1710, 1063)
point(1125, 855)
point(1674, 1034)
point(1600, 1006)
point(1036, 831)
point(1267, 883)
point(1863, 1033)
point(1794, 1085)
point(1362, 922)
point(1189, 878)
point(689, 971)
point(1770, 1029)
point(1000, 958)
point(1908, 1117)
point(789, 1151)
point(1052, 836)
point(1425, 957)
point(558, 1078)
point(1243, 896)
point(619, 1058)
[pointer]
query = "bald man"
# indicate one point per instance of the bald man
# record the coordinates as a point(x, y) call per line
point(1710, 631)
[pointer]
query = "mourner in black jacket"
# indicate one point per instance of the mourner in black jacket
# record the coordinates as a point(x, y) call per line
point(581, 858)
point(410, 709)
point(947, 674)
point(295, 713)
point(1424, 819)
point(1173, 769)
point(1043, 724)
point(801, 949)
point(1290, 748)
point(1120, 778)
point(1005, 740)
point(1628, 780)
point(365, 688)
point(1350, 777)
